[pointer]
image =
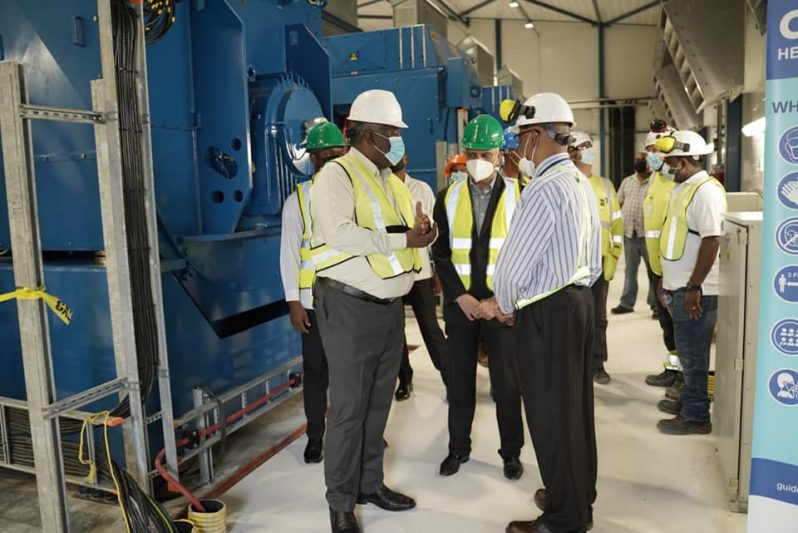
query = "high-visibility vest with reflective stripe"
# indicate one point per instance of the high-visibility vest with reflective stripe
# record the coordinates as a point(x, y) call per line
point(374, 211)
point(582, 272)
point(307, 269)
point(461, 226)
point(611, 224)
point(655, 207)
point(675, 229)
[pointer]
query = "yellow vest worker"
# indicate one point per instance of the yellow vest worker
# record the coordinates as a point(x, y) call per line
point(325, 142)
point(655, 206)
point(474, 217)
point(609, 209)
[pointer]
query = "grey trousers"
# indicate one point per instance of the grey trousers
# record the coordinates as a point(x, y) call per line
point(363, 342)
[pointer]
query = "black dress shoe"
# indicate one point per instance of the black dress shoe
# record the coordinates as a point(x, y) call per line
point(343, 522)
point(313, 451)
point(527, 526)
point(388, 500)
point(601, 377)
point(665, 378)
point(403, 391)
point(670, 407)
point(621, 310)
point(513, 469)
point(451, 465)
point(540, 502)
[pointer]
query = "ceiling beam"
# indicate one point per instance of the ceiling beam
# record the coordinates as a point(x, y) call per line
point(644, 7)
point(375, 17)
point(565, 12)
point(451, 12)
point(476, 7)
point(369, 3)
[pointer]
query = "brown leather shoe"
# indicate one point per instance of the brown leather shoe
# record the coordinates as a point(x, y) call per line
point(530, 526)
point(540, 499)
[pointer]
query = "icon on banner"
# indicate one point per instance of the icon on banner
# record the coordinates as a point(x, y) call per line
point(788, 145)
point(783, 386)
point(788, 190)
point(786, 283)
point(787, 236)
point(785, 336)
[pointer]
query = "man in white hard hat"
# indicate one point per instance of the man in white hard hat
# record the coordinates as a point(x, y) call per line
point(655, 206)
point(550, 259)
point(366, 236)
point(689, 248)
point(583, 155)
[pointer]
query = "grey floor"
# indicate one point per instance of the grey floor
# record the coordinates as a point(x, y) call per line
point(648, 483)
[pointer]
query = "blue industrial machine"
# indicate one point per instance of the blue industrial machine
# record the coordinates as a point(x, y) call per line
point(435, 84)
point(233, 87)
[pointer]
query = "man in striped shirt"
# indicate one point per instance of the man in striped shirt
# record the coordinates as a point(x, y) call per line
point(550, 259)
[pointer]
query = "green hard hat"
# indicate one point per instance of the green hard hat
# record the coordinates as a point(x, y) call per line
point(325, 135)
point(483, 133)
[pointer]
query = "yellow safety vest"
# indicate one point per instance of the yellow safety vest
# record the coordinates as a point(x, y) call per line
point(675, 229)
point(375, 212)
point(609, 209)
point(307, 270)
point(461, 223)
point(655, 208)
point(585, 232)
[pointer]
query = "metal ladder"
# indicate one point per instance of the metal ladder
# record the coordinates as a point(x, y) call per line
point(44, 409)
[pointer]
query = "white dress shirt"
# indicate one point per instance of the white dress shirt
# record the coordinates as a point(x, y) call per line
point(290, 244)
point(421, 192)
point(332, 207)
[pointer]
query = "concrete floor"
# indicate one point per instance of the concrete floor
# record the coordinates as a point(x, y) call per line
point(648, 482)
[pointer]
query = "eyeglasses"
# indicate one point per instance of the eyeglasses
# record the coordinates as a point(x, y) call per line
point(669, 143)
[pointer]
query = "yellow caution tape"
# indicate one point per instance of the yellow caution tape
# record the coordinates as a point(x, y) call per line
point(61, 310)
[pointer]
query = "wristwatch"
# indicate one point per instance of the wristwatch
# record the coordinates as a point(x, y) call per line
point(693, 287)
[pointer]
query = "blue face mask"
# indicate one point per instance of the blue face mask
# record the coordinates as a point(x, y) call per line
point(654, 161)
point(459, 175)
point(668, 172)
point(395, 152)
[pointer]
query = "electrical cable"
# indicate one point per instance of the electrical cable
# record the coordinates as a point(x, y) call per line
point(159, 17)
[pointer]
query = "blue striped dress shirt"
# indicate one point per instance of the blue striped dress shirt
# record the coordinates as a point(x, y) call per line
point(542, 248)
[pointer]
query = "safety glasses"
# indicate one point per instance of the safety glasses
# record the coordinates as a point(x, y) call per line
point(669, 143)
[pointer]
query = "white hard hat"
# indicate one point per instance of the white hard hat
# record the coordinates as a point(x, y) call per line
point(549, 108)
point(579, 138)
point(377, 106)
point(689, 143)
point(652, 136)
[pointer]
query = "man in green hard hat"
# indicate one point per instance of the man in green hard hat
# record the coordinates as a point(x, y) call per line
point(325, 143)
point(473, 218)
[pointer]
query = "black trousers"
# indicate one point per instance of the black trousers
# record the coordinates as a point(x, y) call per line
point(422, 299)
point(363, 343)
point(552, 348)
point(665, 320)
point(463, 346)
point(599, 290)
point(314, 388)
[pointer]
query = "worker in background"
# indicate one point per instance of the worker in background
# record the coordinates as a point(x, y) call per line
point(366, 237)
point(474, 217)
point(631, 194)
point(689, 249)
point(655, 206)
point(509, 168)
point(455, 169)
point(584, 155)
point(422, 296)
point(325, 143)
point(550, 259)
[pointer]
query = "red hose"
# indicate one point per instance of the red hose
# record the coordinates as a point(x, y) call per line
point(175, 484)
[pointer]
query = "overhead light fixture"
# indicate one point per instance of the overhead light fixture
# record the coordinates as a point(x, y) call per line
point(514, 5)
point(757, 127)
point(529, 25)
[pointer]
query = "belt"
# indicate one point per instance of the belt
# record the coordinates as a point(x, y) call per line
point(355, 293)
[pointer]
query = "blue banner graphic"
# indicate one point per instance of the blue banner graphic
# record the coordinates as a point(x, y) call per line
point(773, 501)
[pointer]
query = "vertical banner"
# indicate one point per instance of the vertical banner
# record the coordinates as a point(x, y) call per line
point(773, 503)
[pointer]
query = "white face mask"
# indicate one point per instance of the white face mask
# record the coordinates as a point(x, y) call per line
point(588, 156)
point(480, 170)
point(668, 171)
point(527, 166)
